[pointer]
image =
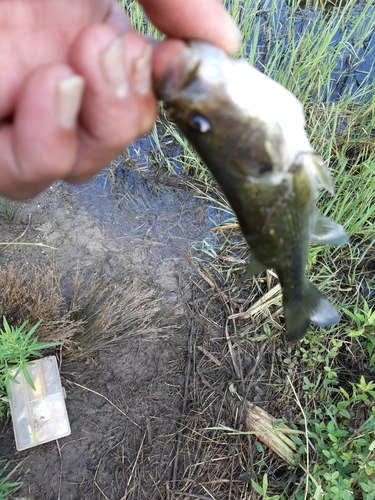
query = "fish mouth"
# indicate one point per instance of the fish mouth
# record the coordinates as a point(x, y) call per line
point(182, 70)
point(187, 66)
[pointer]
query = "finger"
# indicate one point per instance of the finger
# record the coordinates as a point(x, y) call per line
point(163, 55)
point(40, 146)
point(118, 105)
point(117, 19)
point(202, 19)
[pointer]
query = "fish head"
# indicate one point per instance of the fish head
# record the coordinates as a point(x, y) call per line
point(234, 115)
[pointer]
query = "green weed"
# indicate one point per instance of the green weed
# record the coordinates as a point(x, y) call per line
point(364, 329)
point(17, 348)
point(8, 209)
point(6, 486)
point(262, 489)
point(345, 458)
point(341, 463)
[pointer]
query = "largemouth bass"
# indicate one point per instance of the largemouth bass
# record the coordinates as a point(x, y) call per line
point(250, 133)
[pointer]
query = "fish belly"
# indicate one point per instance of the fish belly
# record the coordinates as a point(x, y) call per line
point(278, 233)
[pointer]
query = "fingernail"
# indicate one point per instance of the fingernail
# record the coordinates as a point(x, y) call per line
point(142, 72)
point(69, 97)
point(114, 69)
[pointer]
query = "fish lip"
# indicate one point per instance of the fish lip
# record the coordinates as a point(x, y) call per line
point(185, 66)
point(181, 70)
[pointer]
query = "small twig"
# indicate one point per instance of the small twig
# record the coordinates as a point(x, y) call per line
point(257, 360)
point(277, 313)
point(263, 303)
point(20, 236)
point(108, 400)
point(209, 355)
point(188, 258)
point(25, 231)
point(151, 225)
point(96, 484)
point(205, 382)
point(134, 466)
point(60, 478)
point(306, 437)
point(149, 430)
point(227, 258)
point(192, 495)
point(231, 351)
point(185, 398)
point(223, 228)
point(27, 244)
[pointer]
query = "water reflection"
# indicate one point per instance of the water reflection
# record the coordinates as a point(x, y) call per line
point(322, 4)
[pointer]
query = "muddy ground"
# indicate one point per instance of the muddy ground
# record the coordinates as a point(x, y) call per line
point(127, 401)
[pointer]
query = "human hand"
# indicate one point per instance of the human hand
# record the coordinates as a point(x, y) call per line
point(76, 82)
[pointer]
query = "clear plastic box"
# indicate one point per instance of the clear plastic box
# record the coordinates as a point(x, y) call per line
point(38, 416)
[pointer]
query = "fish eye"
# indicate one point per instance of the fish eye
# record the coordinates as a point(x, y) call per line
point(198, 122)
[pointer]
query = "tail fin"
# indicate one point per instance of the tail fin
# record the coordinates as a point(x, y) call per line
point(311, 307)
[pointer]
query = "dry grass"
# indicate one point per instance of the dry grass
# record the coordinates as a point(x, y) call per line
point(109, 310)
point(98, 313)
point(210, 462)
point(33, 296)
point(207, 462)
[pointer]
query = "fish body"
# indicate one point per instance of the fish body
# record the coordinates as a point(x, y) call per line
point(250, 133)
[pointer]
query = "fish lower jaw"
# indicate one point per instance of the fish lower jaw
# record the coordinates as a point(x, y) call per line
point(273, 178)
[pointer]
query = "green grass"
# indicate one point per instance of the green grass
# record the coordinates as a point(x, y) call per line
point(138, 18)
point(332, 370)
point(7, 486)
point(17, 348)
point(8, 209)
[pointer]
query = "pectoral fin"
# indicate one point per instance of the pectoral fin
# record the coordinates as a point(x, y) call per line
point(327, 232)
point(255, 267)
point(322, 172)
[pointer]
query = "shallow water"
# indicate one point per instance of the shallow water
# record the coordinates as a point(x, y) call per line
point(356, 61)
point(162, 210)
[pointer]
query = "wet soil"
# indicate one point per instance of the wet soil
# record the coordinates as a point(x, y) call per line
point(124, 402)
